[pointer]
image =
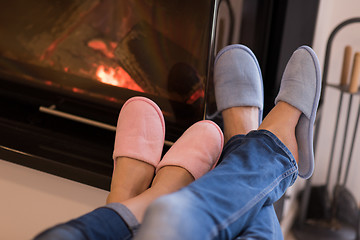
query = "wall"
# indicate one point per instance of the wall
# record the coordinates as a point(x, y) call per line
point(332, 13)
point(32, 201)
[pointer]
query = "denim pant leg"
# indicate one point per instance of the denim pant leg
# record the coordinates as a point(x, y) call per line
point(265, 226)
point(255, 171)
point(113, 221)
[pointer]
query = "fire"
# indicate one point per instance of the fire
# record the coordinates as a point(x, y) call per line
point(117, 77)
point(99, 45)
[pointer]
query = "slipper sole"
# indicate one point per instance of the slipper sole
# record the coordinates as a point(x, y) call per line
point(305, 127)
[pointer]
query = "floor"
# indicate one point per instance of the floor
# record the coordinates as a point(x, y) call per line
point(36, 200)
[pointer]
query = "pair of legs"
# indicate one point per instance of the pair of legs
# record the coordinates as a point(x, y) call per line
point(187, 205)
point(132, 178)
point(139, 176)
point(234, 201)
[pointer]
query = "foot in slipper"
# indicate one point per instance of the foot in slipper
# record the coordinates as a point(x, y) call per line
point(301, 87)
point(140, 131)
point(237, 79)
point(197, 150)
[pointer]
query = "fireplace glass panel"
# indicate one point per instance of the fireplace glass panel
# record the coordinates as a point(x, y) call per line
point(105, 51)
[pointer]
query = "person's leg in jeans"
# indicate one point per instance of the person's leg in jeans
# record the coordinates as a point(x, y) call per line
point(248, 118)
point(265, 226)
point(255, 170)
point(223, 203)
point(134, 169)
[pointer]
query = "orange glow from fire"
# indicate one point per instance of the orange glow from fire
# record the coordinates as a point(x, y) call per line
point(195, 96)
point(99, 45)
point(77, 90)
point(117, 77)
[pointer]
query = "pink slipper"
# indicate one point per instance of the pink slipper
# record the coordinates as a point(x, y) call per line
point(140, 131)
point(197, 150)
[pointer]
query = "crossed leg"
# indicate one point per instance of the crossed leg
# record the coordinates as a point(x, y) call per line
point(131, 181)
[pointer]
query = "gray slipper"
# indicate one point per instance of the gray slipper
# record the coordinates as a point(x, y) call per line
point(237, 79)
point(301, 87)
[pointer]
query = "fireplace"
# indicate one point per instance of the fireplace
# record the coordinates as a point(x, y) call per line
point(67, 66)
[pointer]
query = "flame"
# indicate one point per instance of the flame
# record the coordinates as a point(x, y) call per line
point(99, 45)
point(117, 77)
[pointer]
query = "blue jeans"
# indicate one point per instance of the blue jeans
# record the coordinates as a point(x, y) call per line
point(91, 226)
point(113, 221)
point(233, 201)
point(264, 226)
point(255, 171)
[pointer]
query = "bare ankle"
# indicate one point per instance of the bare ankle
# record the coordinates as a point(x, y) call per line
point(130, 178)
point(167, 180)
point(240, 120)
point(282, 121)
point(172, 178)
